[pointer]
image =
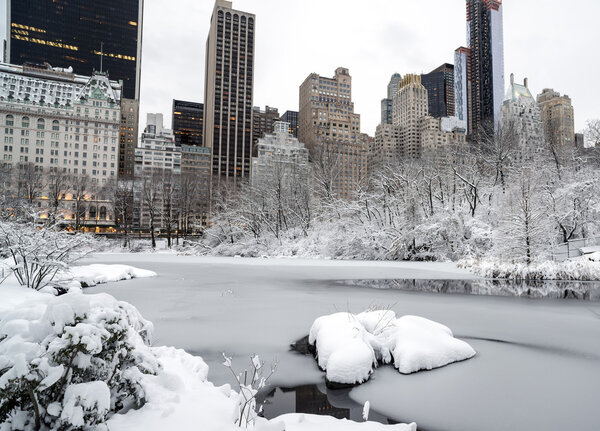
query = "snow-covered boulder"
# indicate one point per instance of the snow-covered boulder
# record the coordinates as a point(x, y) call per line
point(349, 347)
point(341, 348)
point(421, 344)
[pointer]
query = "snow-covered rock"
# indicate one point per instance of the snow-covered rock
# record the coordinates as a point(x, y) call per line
point(341, 348)
point(349, 347)
point(421, 344)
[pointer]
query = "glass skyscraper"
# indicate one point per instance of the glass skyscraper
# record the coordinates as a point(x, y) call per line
point(481, 77)
point(188, 122)
point(81, 34)
point(440, 90)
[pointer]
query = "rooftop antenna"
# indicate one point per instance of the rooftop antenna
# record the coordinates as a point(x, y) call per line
point(101, 55)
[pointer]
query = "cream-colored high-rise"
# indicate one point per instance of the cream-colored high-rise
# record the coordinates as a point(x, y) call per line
point(421, 136)
point(330, 130)
point(558, 118)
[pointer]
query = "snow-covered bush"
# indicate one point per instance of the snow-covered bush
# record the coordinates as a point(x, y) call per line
point(67, 362)
point(580, 269)
point(36, 256)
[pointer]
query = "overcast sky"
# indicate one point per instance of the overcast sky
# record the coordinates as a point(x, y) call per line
point(554, 43)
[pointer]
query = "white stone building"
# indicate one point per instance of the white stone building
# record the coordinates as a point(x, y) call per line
point(280, 156)
point(57, 122)
point(521, 115)
point(157, 170)
point(157, 149)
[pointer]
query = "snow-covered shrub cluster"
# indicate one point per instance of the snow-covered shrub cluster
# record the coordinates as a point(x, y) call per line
point(580, 269)
point(35, 256)
point(487, 203)
point(349, 347)
point(67, 362)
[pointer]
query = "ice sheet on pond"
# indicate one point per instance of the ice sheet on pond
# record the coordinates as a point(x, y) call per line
point(209, 306)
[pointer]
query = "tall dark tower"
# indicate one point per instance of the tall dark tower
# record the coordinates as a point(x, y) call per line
point(187, 125)
point(79, 33)
point(440, 90)
point(229, 92)
point(485, 38)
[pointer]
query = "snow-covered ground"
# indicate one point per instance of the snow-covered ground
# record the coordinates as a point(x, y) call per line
point(173, 383)
point(537, 365)
point(91, 275)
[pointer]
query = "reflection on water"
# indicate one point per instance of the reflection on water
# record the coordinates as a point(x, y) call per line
point(316, 400)
point(578, 290)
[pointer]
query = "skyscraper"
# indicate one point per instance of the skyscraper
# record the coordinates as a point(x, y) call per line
point(229, 91)
point(462, 84)
point(485, 64)
point(388, 103)
point(418, 134)
point(521, 117)
point(440, 90)
point(86, 35)
point(188, 122)
point(330, 129)
point(410, 105)
point(291, 117)
point(558, 118)
point(263, 122)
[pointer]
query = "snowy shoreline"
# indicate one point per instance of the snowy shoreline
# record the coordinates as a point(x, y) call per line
point(35, 328)
point(580, 269)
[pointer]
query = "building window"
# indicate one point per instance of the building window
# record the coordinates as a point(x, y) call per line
point(41, 124)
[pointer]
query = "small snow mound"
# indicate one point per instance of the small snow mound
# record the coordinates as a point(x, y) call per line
point(422, 344)
point(351, 364)
point(342, 349)
point(350, 346)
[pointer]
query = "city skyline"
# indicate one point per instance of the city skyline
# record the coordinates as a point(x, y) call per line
point(397, 41)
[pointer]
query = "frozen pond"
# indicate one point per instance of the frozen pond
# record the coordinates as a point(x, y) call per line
point(538, 362)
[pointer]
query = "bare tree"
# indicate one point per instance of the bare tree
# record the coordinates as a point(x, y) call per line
point(80, 191)
point(58, 186)
point(592, 133)
point(123, 204)
point(327, 169)
point(37, 255)
point(525, 227)
point(151, 199)
point(189, 205)
point(497, 151)
point(169, 189)
point(32, 181)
